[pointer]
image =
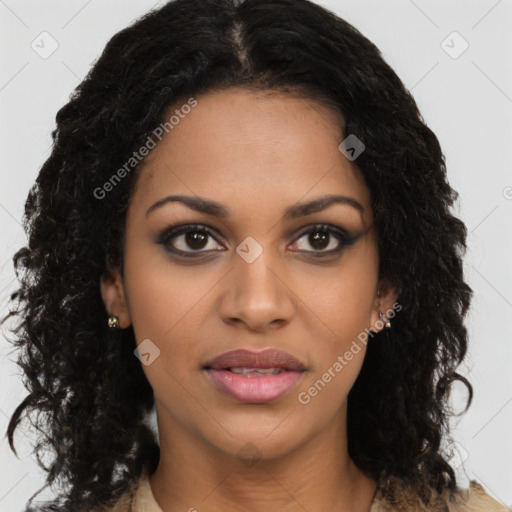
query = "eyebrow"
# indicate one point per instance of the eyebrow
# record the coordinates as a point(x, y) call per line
point(210, 207)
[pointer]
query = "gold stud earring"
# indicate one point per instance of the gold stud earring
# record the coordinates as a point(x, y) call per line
point(387, 323)
point(113, 322)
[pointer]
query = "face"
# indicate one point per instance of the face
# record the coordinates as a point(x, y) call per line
point(241, 262)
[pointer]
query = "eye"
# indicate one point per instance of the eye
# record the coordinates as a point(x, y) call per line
point(195, 239)
point(189, 240)
point(324, 240)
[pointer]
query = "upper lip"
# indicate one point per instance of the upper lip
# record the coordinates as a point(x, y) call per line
point(243, 358)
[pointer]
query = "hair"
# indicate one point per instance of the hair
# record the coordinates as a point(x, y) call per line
point(88, 396)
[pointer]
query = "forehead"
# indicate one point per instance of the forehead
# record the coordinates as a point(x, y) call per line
point(237, 144)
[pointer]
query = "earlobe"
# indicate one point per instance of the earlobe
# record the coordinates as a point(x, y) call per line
point(385, 307)
point(114, 297)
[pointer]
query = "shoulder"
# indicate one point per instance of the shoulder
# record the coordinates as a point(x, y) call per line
point(395, 497)
point(123, 504)
point(138, 498)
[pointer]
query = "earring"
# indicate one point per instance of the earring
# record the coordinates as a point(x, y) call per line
point(387, 323)
point(113, 322)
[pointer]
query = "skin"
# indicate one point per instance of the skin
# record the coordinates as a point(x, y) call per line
point(256, 154)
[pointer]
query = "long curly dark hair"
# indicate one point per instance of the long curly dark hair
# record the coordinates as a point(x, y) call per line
point(90, 393)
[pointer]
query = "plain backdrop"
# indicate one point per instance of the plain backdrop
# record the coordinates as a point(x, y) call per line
point(455, 57)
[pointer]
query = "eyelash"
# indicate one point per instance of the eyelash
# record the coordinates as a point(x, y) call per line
point(343, 237)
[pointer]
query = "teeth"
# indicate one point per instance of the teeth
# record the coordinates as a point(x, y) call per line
point(255, 372)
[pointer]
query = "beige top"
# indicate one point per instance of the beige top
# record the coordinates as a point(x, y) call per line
point(474, 499)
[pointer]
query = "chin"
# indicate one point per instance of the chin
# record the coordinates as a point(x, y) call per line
point(262, 439)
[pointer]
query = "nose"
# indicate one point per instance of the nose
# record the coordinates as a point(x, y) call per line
point(256, 295)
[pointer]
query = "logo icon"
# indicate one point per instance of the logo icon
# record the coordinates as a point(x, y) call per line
point(45, 45)
point(352, 147)
point(249, 249)
point(456, 454)
point(454, 45)
point(249, 454)
point(147, 352)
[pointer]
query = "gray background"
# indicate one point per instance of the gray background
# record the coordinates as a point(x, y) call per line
point(466, 98)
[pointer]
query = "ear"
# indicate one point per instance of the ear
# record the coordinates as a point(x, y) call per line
point(384, 302)
point(114, 297)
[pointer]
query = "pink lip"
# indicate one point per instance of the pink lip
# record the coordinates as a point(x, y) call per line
point(269, 358)
point(254, 389)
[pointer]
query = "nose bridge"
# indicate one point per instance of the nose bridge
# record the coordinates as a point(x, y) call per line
point(258, 276)
point(257, 295)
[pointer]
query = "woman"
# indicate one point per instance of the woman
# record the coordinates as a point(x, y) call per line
point(245, 224)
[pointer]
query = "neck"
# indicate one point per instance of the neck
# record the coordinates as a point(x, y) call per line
point(317, 476)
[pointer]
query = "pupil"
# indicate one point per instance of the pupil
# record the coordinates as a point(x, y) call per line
point(195, 239)
point(319, 239)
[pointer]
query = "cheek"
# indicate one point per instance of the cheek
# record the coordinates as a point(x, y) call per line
point(342, 307)
point(167, 306)
point(339, 356)
point(164, 308)
point(161, 295)
point(164, 305)
point(345, 298)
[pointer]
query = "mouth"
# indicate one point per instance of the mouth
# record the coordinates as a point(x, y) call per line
point(254, 377)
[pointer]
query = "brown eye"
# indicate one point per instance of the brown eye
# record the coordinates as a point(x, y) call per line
point(187, 240)
point(196, 239)
point(323, 239)
point(319, 239)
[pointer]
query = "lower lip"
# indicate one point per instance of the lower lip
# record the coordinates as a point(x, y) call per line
point(254, 390)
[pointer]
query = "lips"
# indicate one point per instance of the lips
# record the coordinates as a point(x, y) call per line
point(254, 377)
point(270, 358)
